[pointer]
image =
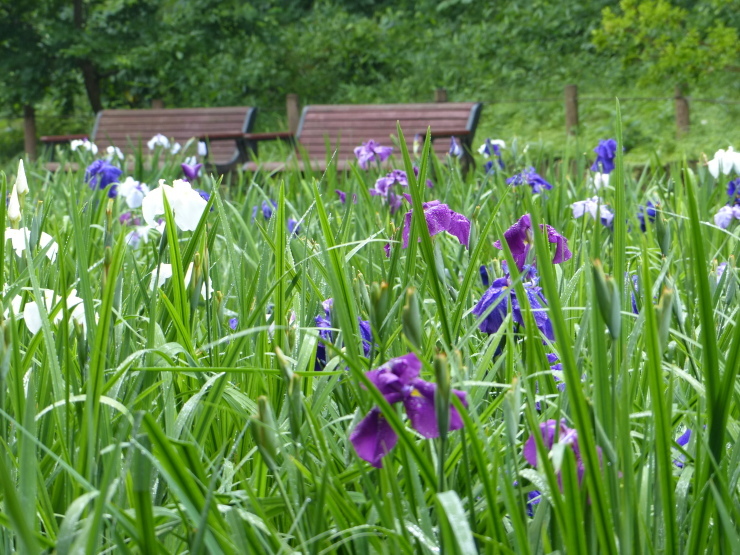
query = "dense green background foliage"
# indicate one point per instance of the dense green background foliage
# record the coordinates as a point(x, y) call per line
point(70, 59)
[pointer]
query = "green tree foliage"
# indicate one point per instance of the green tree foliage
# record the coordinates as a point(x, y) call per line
point(684, 42)
point(27, 60)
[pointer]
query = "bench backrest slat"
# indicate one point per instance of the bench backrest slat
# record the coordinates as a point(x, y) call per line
point(348, 126)
point(127, 129)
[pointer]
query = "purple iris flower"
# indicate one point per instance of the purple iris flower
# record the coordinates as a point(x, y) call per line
point(649, 209)
point(233, 323)
point(128, 219)
point(383, 186)
point(440, 218)
point(323, 322)
point(519, 237)
point(387, 249)
point(416, 174)
point(205, 196)
point(456, 149)
point(503, 296)
point(399, 382)
point(102, 173)
point(721, 269)
point(566, 436)
point(394, 202)
point(191, 172)
point(499, 292)
point(370, 151)
point(683, 441)
point(605, 151)
point(530, 177)
point(293, 227)
point(343, 196)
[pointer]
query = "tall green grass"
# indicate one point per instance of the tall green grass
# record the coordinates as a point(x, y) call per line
point(159, 429)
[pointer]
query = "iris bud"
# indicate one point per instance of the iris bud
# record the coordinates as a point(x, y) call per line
point(663, 312)
point(607, 296)
point(411, 319)
point(263, 429)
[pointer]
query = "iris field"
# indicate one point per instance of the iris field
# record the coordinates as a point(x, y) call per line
point(536, 356)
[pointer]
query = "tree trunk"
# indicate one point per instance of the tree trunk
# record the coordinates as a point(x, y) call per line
point(682, 112)
point(29, 131)
point(90, 75)
point(92, 84)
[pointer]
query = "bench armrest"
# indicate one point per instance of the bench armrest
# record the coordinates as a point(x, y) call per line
point(61, 139)
point(248, 141)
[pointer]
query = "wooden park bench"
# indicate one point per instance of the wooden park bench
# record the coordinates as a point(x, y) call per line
point(130, 130)
point(344, 127)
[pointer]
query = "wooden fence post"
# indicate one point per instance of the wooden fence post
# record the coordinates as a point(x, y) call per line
point(294, 114)
point(29, 131)
point(682, 112)
point(571, 109)
point(440, 95)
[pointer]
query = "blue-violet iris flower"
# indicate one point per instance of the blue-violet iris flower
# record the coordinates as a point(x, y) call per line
point(101, 173)
point(605, 151)
point(485, 280)
point(733, 190)
point(490, 149)
point(649, 209)
point(267, 209)
point(683, 441)
point(326, 334)
point(502, 297)
point(399, 382)
point(530, 177)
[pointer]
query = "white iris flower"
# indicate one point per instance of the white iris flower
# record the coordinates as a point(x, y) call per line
point(20, 237)
point(186, 204)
